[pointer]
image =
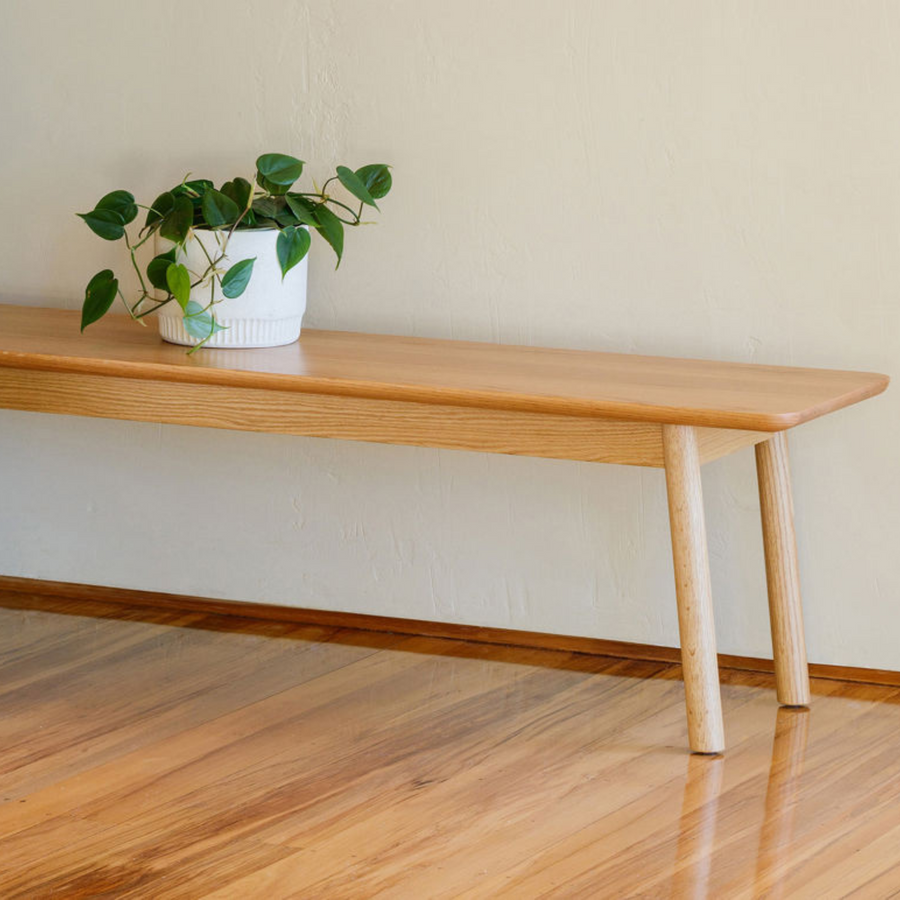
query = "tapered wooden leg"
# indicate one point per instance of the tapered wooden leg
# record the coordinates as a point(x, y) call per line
point(693, 590)
point(782, 573)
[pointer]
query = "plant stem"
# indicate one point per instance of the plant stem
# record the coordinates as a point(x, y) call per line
point(212, 265)
point(344, 206)
point(127, 307)
point(144, 240)
point(147, 312)
point(197, 346)
point(134, 263)
point(324, 198)
point(140, 300)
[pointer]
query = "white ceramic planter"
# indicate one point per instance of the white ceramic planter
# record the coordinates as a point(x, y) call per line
point(270, 311)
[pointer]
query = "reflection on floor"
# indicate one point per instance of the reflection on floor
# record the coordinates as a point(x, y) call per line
point(700, 811)
point(167, 755)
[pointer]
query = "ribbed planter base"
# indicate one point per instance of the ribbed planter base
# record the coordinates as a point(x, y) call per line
point(238, 333)
point(267, 314)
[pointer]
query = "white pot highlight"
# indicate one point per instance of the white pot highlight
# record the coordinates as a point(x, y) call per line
point(270, 311)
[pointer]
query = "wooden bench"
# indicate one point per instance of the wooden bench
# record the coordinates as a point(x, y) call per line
point(674, 414)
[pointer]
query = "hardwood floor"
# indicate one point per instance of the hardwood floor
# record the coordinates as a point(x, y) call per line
point(164, 755)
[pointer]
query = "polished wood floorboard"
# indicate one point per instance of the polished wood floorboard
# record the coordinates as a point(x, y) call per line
point(164, 755)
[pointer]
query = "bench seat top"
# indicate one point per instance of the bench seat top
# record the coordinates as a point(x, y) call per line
point(457, 373)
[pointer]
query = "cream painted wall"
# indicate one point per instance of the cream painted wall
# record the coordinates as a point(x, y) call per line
point(714, 179)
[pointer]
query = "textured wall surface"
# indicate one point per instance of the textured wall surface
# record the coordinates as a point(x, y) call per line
point(713, 179)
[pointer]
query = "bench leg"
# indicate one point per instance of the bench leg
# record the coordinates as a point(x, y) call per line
point(693, 590)
point(782, 573)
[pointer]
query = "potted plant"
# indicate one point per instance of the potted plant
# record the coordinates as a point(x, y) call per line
point(230, 263)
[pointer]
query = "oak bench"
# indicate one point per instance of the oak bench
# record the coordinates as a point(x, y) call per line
point(675, 414)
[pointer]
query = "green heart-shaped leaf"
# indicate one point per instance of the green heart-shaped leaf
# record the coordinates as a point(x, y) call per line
point(269, 207)
point(218, 209)
point(240, 190)
point(162, 206)
point(302, 209)
point(331, 228)
point(157, 268)
point(177, 222)
point(98, 297)
point(292, 245)
point(286, 219)
point(350, 180)
point(178, 281)
point(199, 323)
point(376, 178)
point(105, 223)
point(236, 279)
point(279, 169)
point(121, 202)
point(270, 186)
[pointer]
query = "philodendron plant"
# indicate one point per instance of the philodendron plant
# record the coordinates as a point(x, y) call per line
point(237, 205)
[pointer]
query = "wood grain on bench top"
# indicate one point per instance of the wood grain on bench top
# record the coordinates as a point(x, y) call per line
point(457, 373)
